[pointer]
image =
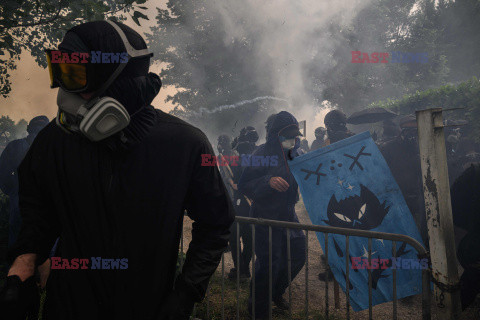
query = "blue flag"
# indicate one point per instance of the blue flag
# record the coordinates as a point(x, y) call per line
point(349, 185)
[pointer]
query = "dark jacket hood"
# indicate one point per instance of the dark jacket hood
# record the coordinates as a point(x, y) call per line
point(282, 121)
point(273, 146)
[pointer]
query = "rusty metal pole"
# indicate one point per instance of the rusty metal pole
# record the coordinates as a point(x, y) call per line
point(438, 208)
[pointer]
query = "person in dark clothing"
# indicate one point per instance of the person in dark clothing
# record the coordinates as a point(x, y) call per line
point(390, 130)
point(304, 145)
point(9, 162)
point(245, 146)
point(224, 145)
point(319, 141)
point(224, 148)
point(274, 193)
point(117, 194)
point(466, 215)
point(336, 123)
point(403, 158)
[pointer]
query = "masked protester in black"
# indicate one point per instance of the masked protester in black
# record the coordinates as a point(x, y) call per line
point(244, 146)
point(274, 192)
point(466, 215)
point(403, 159)
point(10, 159)
point(319, 141)
point(9, 163)
point(121, 198)
point(336, 123)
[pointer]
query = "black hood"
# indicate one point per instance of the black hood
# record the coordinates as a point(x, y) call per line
point(135, 87)
point(283, 120)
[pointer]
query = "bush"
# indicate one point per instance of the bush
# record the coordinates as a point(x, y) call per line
point(464, 95)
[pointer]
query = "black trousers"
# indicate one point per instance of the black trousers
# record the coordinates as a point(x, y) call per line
point(245, 236)
point(279, 265)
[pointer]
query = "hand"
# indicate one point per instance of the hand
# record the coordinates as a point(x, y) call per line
point(234, 185)
point(279, 184)
point(44, 271)
point(19, 300)
point(23, 266)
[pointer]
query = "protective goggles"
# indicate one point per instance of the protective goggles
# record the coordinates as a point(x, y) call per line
point(72, 77)
point(78, 77)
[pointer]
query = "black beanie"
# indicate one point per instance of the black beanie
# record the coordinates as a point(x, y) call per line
point(135, 87)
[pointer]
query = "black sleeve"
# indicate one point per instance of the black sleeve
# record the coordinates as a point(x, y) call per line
point(209, 206)
point(465, 199)
point(7, 168)
point(40, 227)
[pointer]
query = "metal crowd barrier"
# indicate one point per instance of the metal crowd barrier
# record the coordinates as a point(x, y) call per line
point(422, 253)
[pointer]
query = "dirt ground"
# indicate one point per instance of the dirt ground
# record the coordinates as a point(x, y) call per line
point(316, 288)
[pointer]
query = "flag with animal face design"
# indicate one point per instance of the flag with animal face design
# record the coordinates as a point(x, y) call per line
point(348, 184)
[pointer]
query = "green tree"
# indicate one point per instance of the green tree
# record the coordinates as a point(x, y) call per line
point(209, 68)
point(465, 95)
point(20, 129)
point(384, 26)
point(7, 129)
point(38, 25)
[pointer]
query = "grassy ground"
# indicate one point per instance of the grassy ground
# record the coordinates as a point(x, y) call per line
point(230, 303)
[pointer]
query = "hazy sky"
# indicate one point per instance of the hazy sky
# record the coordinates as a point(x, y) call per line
point(31, 94)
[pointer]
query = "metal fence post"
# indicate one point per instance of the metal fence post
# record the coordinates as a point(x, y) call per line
point(438, 207)
point(238, 270)
point(270, 281)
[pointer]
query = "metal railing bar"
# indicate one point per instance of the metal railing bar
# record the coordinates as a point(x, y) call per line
point(208, 301)
point(342, 231)
point(253, 271)
point(238, 270)
point(306, 275)
point(289, 276)
point(269, 272)
point(370, 313)
point(347, 275)
point(426, 311)
point(394, 285)
point(327, 272)
point(223, 286)
point(426, 308)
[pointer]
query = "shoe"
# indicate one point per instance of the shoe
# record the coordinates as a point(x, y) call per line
point(245, 273)
point(281, 304)
point(322, 276)
point(232, 275)
point(408, 300)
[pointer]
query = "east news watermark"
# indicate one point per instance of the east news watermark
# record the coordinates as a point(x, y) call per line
point(93, 263)
point(83, 57)
point(244, 160)
point(386, 57)
point(359, 263)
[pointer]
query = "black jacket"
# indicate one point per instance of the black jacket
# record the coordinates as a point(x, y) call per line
point(267, 202)
point(114, 200)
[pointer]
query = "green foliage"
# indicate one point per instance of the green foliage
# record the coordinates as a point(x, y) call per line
point(10, 131)
point(465, 95)
point(38, 25)
point(446, 30)
point(210, 69)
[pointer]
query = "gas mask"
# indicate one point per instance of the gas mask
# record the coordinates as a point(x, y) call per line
point(99, 117)
point(288, 144)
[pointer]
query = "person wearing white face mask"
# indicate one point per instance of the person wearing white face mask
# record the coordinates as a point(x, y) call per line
point(274, 192)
